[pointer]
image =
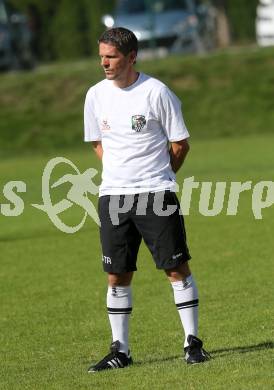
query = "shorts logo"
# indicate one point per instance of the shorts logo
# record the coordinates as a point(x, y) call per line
point(106, 259)
point(174, 257)
point(138, 122)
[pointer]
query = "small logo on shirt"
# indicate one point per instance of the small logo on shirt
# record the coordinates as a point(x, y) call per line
point(138, 122)
point(104, 125)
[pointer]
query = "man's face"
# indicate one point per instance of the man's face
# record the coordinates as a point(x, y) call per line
point(115, 64)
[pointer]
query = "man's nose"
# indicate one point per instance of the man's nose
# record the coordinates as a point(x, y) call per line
point(105, 62)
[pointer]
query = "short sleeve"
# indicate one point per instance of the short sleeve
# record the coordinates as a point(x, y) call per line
point(171, 117)
point(91, 129)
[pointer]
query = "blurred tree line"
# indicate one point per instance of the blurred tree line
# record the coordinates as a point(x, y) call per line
point(235, 20)
point(64, 29)
point(70, 28)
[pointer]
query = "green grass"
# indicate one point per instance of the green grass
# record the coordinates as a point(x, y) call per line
point(53, 320)
point(227, 93)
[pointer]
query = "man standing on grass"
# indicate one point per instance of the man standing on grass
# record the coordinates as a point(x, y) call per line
point(136, 127)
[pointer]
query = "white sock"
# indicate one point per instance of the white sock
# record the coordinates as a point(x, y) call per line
point(119, 306)
point(186, 300)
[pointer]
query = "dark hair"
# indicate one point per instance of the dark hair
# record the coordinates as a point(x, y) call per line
point(123, 39)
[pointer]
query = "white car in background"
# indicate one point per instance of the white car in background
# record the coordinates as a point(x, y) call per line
point(171, 25)
point(265, 23)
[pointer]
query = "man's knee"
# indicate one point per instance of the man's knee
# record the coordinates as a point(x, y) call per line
point(180, 272)
point(124, 279)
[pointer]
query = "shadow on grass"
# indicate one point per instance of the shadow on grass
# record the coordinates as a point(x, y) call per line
point(214, 353)
point(244, 349)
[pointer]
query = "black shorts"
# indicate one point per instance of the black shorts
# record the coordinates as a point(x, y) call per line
point(121, 232)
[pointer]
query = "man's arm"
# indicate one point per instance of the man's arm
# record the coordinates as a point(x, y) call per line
point(97, 147)
point(178, 151)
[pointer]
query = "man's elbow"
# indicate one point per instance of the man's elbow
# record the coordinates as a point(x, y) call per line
point(97, 147)
point(182, 148)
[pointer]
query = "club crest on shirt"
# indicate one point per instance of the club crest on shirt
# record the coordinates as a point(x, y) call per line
point(138, 122)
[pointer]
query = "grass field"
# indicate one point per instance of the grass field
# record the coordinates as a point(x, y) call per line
point(53, 320)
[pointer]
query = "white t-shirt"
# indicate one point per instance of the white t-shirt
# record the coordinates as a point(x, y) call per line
point(135, 125)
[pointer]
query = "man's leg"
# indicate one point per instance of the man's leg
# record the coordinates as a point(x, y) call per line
point(164, 233)
point(120, 245)
point(185, 297)
point(119, 307)
point(186, 300)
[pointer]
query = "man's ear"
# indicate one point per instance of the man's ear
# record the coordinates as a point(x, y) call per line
point(133, 57)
